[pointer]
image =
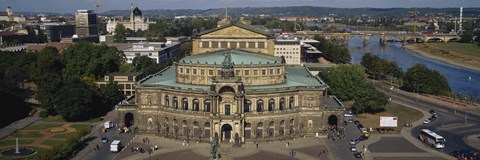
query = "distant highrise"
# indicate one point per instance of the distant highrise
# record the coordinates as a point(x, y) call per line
point(461, 19)
point(86, 23)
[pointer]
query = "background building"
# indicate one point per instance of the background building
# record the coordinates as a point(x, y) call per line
point(86, 23)
point(9, 16)
point(136, 22)
point(157, 51)
point(125, 81)
point(290, 48)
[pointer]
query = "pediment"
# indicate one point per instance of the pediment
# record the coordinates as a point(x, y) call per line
point(233, 31)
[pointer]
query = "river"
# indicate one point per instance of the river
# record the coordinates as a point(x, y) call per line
point(462, 80)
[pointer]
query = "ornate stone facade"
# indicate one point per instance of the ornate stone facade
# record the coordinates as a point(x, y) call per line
point(276, 102)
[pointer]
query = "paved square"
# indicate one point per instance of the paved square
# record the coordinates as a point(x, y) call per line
point(393, 145)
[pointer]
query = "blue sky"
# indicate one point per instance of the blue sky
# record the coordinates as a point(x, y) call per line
point(70, 6)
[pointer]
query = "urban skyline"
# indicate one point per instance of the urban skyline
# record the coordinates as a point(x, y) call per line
point(70, 6)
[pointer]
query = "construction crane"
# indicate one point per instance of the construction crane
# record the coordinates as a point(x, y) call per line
point(97, 5)
point(414, 13)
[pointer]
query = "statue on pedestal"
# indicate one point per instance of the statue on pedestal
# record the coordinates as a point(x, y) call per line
point(214, 149)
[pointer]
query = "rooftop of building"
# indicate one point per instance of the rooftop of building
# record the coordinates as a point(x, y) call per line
point(148, 46)
point(238, 57)
point(241, 25)
point(295, 77)
point(39, 47)
point(125, 74)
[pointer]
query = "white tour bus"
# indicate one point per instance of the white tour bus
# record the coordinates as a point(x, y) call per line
point(432, 138)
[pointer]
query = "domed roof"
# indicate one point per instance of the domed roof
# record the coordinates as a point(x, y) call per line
point(137, 12)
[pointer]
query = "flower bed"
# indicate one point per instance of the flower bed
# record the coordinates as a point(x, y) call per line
point(58, 130)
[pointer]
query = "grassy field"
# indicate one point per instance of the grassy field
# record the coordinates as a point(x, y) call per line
point(52, 143)
point(12, 142)
point(464, 48)
point(404, 114)
point(27, 135)
point(58, 118)
point(62, 135)
point(80, 126)
point(41, 126)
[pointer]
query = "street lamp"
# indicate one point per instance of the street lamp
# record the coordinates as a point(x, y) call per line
point(418, 91)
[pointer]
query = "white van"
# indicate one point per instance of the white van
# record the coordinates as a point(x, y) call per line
point(115, 146)
point(108, 124)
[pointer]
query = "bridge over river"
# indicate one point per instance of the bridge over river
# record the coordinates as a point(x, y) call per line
point(384, 36)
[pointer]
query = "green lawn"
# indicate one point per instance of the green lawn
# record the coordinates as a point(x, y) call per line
point(404, 114)
point(66, 135)
point(80, 126)
point(12, 142)
point(41, 126)
point(52, 143)
point(27, 135)
point(464, 48)
point(60, 119)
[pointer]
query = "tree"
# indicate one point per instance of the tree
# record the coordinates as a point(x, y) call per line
point(75, 100)
point(420, 79)
point(466, 37)
point(333, 52)
point(142, 63)
point(186, 47)
point(86, 59)
point(112, 94)
point(370, 100)
point(119, 35)
point(127, 68)
point(349, 82)
point(380, 68)
point(345, 81)
point(49, 75)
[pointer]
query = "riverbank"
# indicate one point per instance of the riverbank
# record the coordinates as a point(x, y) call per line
point(449, 55)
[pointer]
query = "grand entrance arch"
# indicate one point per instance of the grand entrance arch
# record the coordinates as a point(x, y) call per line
point(226, 134)
point(332, 120)
point(128, 119)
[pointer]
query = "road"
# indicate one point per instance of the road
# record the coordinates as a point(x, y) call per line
point(88, 152)
point(340, 148)
point(450, 122)
point(104, 151)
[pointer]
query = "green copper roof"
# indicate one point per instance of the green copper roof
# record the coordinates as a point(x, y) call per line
point(238, 57)
point(296, 77)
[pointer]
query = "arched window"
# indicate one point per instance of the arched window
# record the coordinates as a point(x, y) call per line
point(271, 105)
point(291, 103)
point(207, 105)
point(195, 105)
point(185, 104)
point(247, 106)
point(175, 103)
point(260, 105)
point(282, 103)
point(166, 102)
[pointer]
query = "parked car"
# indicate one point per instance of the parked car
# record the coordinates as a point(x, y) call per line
point(348, 115)
point(432, 111)
point(353, 141)
point(427, 121)
point(353, 148)
point(357, 122)
point(357, 154)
